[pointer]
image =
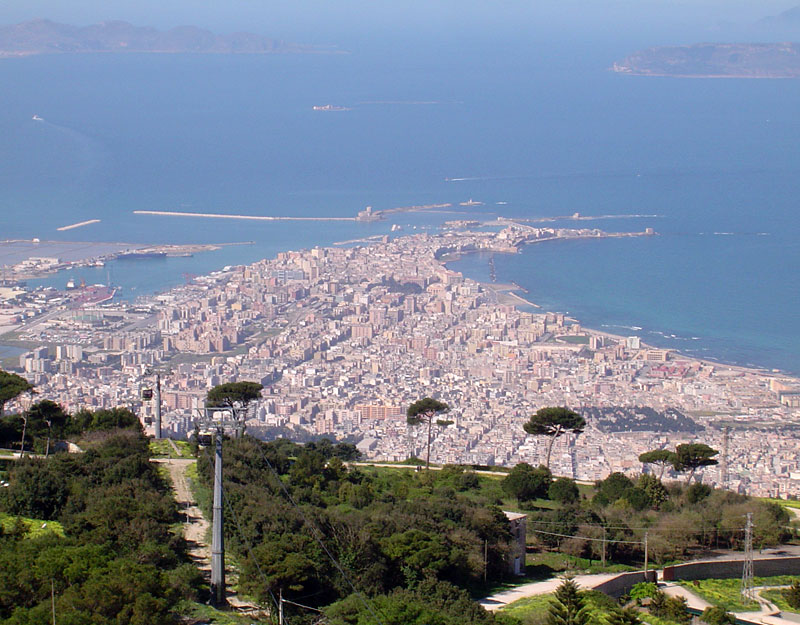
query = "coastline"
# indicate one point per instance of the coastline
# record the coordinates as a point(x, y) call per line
point(509, 294)
point(505, 291)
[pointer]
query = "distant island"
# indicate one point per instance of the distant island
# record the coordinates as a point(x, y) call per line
point(715, 60)
point(47, 37)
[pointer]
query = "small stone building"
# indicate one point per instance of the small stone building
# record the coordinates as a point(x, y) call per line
point(518, 526)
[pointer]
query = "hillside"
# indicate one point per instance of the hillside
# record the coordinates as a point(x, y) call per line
point(715, 60)
point(46, 37)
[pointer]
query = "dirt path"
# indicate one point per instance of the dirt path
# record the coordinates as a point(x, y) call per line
point(195, 526)
point(195, 529)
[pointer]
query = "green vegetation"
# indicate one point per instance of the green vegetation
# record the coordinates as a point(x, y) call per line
point(529, 607)
point(786, 503)
point(12, 386)
point(398, 535)
point(568, 606)
point(726, 593)
point(28, 528)
point(201, 612)
point(573, 339)
point(535, 610)
point(424, 411)
point(109, 553)
point(554, 422)
point(236, 395)
point(686, 458)
point(163, 448)
point(783, 598)
point(680, 520)
point(717, 616)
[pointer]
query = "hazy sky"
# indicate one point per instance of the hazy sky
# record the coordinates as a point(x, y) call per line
point(349, 21)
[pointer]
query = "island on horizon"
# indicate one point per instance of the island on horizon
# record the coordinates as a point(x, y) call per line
point(44, 36)
point(715, 60)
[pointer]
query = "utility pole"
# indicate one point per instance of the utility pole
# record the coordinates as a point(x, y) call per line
point(645, 555)
point(485, 559)
point(217, 539)
point(215, 418)
point(158, 405)
point(155, 395)
point(280, 606)
point(604, 547)
point(747, 568)
point(723, 466)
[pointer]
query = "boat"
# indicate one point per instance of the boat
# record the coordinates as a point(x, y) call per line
point(329, 107)
point(36, 118)
point(135, 255)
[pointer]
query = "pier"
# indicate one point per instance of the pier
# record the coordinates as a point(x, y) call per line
point(244, 217)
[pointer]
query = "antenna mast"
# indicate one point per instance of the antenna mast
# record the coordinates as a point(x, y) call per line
point(748, 593)
point(723, 466)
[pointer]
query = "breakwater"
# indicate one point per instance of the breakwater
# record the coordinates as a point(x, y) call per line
point(80, 224)
point(244, 217)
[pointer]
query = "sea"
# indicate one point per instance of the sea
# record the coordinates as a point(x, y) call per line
point(528, 128)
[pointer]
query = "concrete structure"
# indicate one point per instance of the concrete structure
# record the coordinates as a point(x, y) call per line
point(518, 526)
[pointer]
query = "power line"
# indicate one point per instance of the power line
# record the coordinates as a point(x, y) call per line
point(601, 540)
point(624, 527)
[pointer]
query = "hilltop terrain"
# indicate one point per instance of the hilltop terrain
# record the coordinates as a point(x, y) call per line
point(46, 37)
point(715, 60)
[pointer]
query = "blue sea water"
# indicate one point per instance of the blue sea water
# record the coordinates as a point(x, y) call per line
point(529, 129)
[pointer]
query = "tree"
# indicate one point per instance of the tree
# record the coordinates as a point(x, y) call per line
point(697, 492)
point(654, 489)
point(424, 411)
point(568, 607)
point(554, 422)
point(614, 487)
point(12, 386)
point(234, 395)
point(525, 482)
point(717, 615)
point(564, 490)
point(660, 457)
point(623, 616)
point(47, 415)
point(689, 457)
point(792, 594)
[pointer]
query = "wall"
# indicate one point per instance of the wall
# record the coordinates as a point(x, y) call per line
point(725, 569)
point(621, 584)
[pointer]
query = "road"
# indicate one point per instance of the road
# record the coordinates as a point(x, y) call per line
point(502, 599)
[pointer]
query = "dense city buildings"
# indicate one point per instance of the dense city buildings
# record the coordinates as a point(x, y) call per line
point(345, 338)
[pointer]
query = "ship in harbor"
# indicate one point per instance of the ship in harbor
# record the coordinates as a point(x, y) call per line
point(141, 255)
point(329, 107)
point(92, 294)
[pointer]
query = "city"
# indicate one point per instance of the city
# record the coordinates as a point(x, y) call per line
point(345, 338)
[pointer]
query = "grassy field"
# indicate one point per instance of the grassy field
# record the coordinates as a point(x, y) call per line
point(786, 503)
point(34, 527)
point(776, 597)
point(726, 593)
point(534, 610)
point(528, 608)
point(162, 448)
point(207, 614)
point(561, 563)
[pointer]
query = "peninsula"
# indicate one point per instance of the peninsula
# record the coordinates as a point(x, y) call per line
point(43, 36)
point(345, 337)
point(715, 60)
